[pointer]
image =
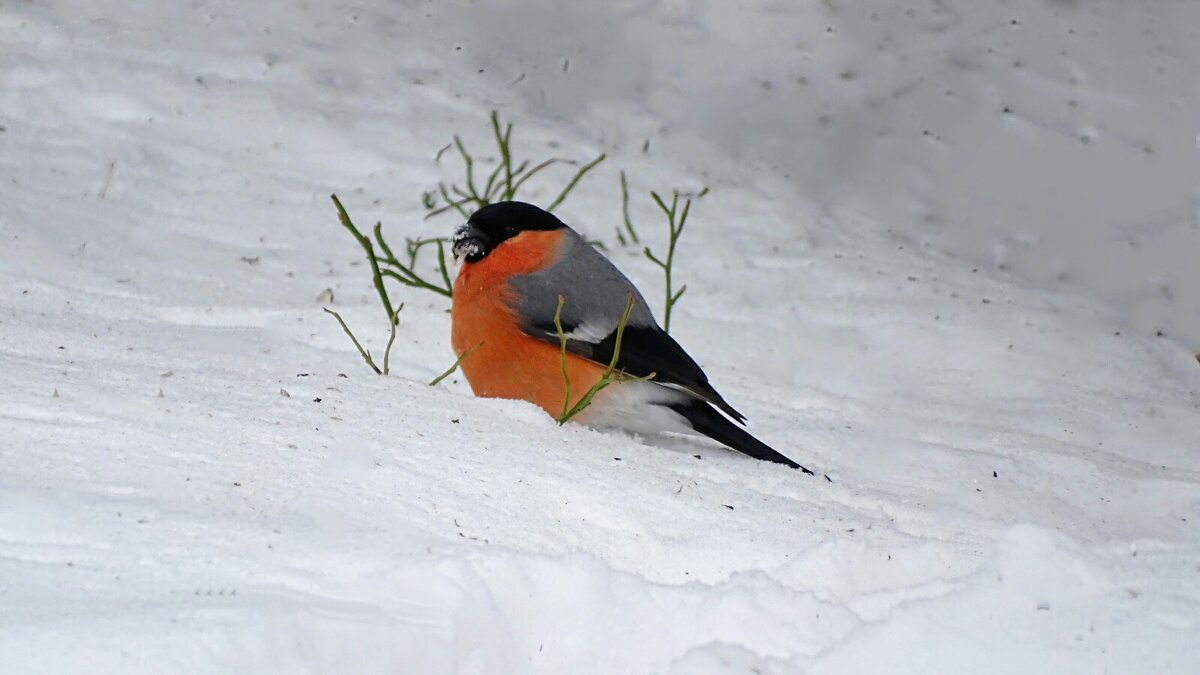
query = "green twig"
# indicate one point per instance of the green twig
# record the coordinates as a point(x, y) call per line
point(387, 351)
point(676, 219)
point(503, 182)
point(363, 241)
point(502, 142)
point(610, 375)
point(383, 245)
point(562, 358)
point(457, 363)
point(625, 212)
point(489, 190)
point(442, 267)
point(407, 275)
point(470, 171)
point(533, 172)
point(365, 354)
point(416, 283)
point(571, 185)
point(457, 205)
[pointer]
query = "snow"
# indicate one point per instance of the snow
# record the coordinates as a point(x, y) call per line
point(199, 473)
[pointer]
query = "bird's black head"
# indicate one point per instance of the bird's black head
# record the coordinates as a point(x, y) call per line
point(496, 223)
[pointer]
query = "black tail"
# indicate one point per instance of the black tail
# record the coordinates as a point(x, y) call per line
point(705, 419)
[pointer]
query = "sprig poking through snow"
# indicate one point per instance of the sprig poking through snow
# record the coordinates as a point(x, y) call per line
point(676, 219)
point(394, 269)
point(366, 353)
point(610, 375)
point(503, 183)
point(453, 367)
point(633, 236)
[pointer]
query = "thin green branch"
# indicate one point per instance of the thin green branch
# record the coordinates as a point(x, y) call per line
point(492, 183)
point(470, 170)
point(457, 363)
point(418, 283)
point(503, 182)
point(507, 149)
point(387, 351)
point(517, 172)
point(414, 246)
point(687, 206)
point(442, 267)
point(365, 354)
point(442, 209)
point(383, 245)
point(451, 203)
point(562, 359)
point(407, 281)
point(533, 172)
point(405, 274)
point(571, 185)
point(625, 212)
point(676, 220)
point(502, 142)
point(376, 276)
point(658, 200)
point(610, 373)
point(675, 298)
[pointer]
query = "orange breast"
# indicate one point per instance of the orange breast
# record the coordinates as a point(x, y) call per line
point(507, 363)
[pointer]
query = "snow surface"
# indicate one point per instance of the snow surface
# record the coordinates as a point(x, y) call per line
point(198, 474)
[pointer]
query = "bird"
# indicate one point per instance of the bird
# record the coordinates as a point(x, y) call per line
point(519, 266)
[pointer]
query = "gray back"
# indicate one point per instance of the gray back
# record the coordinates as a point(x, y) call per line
point(594, 289)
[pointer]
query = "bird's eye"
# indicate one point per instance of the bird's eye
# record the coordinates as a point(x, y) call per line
point(510, 231)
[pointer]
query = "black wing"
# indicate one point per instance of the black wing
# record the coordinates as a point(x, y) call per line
point(647, 350)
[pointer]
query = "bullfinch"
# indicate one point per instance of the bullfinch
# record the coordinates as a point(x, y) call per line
point(516, 261)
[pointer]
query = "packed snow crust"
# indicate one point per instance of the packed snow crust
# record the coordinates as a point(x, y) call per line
point(199, 474)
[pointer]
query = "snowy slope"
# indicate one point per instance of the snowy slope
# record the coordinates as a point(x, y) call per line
point(198, 474)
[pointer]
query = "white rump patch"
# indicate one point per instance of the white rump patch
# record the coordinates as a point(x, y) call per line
point(632, 407)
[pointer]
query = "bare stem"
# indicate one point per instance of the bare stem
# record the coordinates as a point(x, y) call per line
point(675, 221)
point(534, 171)
point(387, 352)
point(407, 275)
point(503, 182)
point(502, 143)
point(562, 357)
point(363, 241)
point(470, 171)
point(625, 210)
point(451, 203)
point(610, 375)
point(571, 185)
point(442, 268)
point(365, 354)
point(457, 363)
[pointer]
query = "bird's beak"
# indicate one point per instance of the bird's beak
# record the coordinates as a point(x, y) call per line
point(470, 243)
